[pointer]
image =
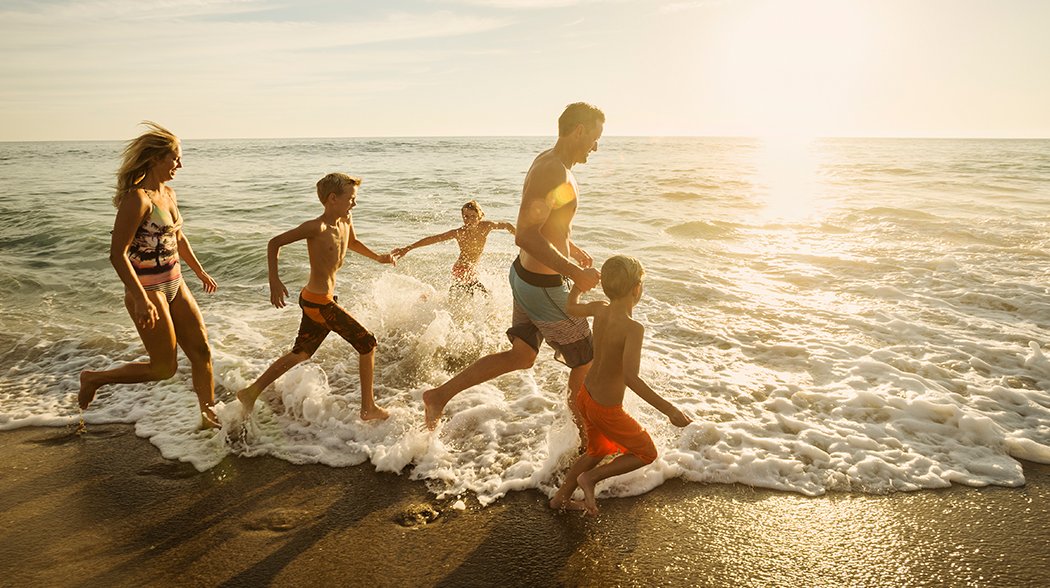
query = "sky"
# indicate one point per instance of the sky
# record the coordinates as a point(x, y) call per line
point(92, 69)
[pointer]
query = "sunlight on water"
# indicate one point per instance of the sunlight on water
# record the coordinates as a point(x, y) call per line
point(785, 172)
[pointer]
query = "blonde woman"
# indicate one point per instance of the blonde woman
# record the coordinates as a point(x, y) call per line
point(147, 244)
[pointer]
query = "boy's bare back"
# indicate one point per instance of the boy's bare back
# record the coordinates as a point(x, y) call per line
point(615, 334)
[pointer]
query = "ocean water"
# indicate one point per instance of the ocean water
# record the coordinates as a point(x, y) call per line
point(839, 315)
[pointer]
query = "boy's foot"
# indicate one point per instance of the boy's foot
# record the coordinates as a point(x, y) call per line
point(209, 420)
point(587, 485)
point(559, 503)
point(88, 387)
point(433, 407)
point(373, 413)
point(247, 398)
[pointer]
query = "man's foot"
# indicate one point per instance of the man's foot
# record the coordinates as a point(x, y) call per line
point(247, 398)
point(587, 485)
point(88, 386)
point(433, 407)
point(373, 413)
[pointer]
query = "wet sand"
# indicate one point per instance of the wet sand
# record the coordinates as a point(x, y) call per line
point(106, 509)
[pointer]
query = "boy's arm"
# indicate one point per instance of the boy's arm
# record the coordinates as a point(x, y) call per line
point(509, 227)
point(574, 307)
point(306, 230)
point(402, 251)
point(360, 248)
point(632, 359)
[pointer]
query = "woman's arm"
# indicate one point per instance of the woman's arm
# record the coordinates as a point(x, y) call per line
point(133, 208)
point(186, 252)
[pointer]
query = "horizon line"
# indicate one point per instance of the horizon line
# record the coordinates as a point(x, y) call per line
point(633, 136)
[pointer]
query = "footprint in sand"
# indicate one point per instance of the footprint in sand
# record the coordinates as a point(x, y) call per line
point(417, 515)
point(280, 520)
point(170, 470)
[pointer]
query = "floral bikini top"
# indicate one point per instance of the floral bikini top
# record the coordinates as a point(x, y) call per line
point(155, 249)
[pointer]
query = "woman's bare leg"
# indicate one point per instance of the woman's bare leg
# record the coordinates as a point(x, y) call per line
point(159, 341)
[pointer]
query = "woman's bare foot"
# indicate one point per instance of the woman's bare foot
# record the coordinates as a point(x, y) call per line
point(88, 387)
point(587, 485)
point(373, 413)
point(433, 407)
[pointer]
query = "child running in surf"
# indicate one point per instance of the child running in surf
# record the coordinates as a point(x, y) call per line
point(617, 355)
point(471, 238)
point(328, 237)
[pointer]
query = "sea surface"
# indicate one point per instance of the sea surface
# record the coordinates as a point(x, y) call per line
point(859, 315)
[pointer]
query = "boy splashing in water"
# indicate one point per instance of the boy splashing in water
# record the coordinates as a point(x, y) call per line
point(471, 238)
point(328, 237)
point(617, 356)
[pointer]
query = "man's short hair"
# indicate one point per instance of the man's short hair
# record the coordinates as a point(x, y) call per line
point(579, 113)
point(334, 183)
point(620, 274)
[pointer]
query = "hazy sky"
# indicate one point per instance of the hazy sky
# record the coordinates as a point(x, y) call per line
point(92, 69)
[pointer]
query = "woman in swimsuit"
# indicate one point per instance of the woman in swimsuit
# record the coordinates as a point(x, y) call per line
point(471, 238)
point(147, 243)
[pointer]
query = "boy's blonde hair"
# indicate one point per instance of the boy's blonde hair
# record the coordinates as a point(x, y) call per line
point(140, 154)
point(473, 205)
point(620, 274)
point(334, 183)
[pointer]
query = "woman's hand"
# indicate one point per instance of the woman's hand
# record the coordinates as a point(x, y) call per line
point(209, 284)
point(145, 313)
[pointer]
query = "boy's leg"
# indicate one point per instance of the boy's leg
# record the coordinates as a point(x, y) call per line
point(521, 356)
point(311, 335)
point(563, 497)
point(588, 479)
point(366, 369)
point(346, 326)
point(159, 341)
point(577, 375)
point(277, 369)
point(192, 337)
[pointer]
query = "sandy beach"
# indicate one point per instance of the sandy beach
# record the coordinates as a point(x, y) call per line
point(104, 508)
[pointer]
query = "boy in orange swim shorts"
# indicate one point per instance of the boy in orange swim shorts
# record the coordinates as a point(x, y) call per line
point(617, 356)
point(328, 238)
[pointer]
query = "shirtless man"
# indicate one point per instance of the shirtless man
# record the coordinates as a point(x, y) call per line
point(328, 237)
point(538, 276)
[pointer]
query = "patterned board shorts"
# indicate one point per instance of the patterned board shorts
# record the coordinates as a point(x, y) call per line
point(539, 313)
point(322, 315)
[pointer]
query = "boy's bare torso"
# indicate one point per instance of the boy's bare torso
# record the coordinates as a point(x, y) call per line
point(472, 241)
point(327, 250)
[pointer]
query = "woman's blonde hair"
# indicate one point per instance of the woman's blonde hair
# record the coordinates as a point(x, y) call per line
point(141, 153)
point(620, 274)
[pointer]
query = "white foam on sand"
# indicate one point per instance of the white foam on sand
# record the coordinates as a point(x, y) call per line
point(804, 406)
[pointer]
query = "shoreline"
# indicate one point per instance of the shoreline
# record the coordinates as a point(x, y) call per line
point(105, 508)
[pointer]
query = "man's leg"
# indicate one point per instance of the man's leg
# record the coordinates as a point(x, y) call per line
point(520, 356)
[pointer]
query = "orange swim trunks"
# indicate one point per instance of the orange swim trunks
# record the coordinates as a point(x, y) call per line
point(610, 430)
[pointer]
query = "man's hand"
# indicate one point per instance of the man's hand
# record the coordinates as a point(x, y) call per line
point(586, 278)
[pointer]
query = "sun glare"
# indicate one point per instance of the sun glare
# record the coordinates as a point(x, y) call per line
point(793, 68)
